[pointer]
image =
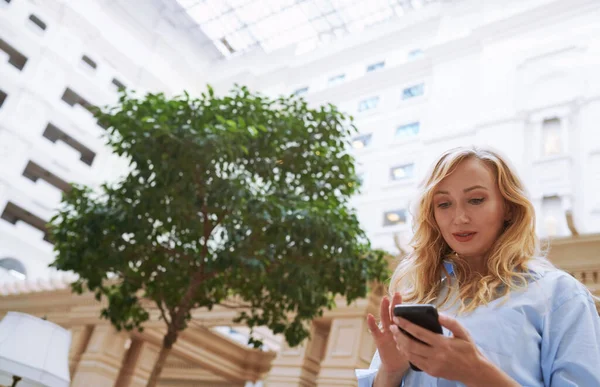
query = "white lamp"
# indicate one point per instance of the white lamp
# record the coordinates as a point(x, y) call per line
point(33, 352)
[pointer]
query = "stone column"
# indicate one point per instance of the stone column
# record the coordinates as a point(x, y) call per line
point(349, 346)
point(101, 362)
point(80, 337)
point(299, 367)
point(138, 364)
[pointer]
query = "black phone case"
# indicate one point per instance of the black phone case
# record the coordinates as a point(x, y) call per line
point(425, 316)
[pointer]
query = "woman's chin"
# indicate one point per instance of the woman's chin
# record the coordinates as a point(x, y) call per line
point(468, 254)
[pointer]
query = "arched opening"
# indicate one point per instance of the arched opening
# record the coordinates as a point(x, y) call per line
point(12, 267)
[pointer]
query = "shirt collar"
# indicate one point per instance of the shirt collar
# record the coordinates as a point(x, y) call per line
point(535, 269)
point(449, 266)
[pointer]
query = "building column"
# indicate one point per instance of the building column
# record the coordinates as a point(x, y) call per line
point(138, 364)
point(101, 362)
point(299, 367)
point(349, 346)
point(80, 337)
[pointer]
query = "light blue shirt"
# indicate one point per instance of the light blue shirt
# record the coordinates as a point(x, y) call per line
point(545, 335)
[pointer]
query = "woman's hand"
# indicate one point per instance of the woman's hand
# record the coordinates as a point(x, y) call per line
point(452, 358)
point(392, 360)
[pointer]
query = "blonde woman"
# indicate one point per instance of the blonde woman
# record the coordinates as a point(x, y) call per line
point(510, 318)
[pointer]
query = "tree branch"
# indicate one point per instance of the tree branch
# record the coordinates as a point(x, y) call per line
point(172, 252)
point(198, 276)
point(207, 231)
point(162, 312)
point(239, 306)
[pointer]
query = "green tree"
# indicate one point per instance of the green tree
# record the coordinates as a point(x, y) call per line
point(239, 196)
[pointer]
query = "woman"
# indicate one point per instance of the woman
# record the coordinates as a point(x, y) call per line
point(510, 318)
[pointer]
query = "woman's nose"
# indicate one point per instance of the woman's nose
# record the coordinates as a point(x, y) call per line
point(461, 217)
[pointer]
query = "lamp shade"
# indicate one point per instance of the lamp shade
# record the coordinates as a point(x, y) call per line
point(34, 349)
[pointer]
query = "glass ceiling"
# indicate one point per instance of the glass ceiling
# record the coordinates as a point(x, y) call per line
point(236, 26)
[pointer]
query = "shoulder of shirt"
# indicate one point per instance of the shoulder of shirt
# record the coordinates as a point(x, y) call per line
point(558, 285)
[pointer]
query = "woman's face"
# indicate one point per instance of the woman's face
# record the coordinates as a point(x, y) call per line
point(469, 209)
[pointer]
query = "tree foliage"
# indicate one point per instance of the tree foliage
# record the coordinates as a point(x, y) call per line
point(241, 195)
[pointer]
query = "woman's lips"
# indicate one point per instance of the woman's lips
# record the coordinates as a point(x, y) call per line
point(464, 236)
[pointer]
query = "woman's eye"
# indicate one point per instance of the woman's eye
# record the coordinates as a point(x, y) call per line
point(444, 205)
point(476, 201)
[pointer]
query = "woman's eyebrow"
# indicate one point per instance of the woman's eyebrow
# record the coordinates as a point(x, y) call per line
point(464, 190)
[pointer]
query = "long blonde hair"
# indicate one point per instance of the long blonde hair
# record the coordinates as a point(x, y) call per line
point(418, 276)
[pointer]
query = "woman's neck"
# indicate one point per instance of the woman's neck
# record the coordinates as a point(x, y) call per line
point(477, 265)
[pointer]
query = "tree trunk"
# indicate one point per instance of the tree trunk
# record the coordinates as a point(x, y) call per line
point(174, 327)
point(168, 342)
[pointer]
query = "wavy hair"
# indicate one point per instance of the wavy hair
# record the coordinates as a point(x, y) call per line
point(418, 276)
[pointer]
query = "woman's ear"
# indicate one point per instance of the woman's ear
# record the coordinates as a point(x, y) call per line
point(508, 213)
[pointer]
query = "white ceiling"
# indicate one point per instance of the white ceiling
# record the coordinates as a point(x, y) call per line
point(236, 26)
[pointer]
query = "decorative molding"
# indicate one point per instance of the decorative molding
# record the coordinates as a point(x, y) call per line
point(572, 254)
point(215, 353)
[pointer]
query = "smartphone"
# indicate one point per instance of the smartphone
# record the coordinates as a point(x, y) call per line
point(425, 316)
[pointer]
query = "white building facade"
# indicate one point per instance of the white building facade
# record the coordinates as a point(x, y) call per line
point(57, 58)
point(518, 75)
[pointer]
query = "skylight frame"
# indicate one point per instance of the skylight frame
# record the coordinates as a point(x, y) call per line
point(239, 26)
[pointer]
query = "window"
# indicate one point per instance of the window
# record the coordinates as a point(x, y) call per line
point(336, 80)
point(392, 218)
point(3, 96)
point(413, 91)
point(86, 59)
point(38, 22)
point(402, 172)
point(13, 213)
point(13, 267)
point(15, 58)
point(301, 91)
point(551, 137)
point(368, 104)
point(54, 134)
point(375, 66)
point(415, 54)
point(408, 130)
point(72, 98)
point(553, 216)
point(361, 142)
point(118, 84)
point(34, 172)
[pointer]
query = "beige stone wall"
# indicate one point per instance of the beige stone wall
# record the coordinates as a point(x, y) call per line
point(101, 356)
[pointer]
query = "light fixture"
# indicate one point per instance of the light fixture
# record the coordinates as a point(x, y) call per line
point(393, 217)
point(399, 172)
point(358, 144)
point(362, 141)
point(33, 352)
